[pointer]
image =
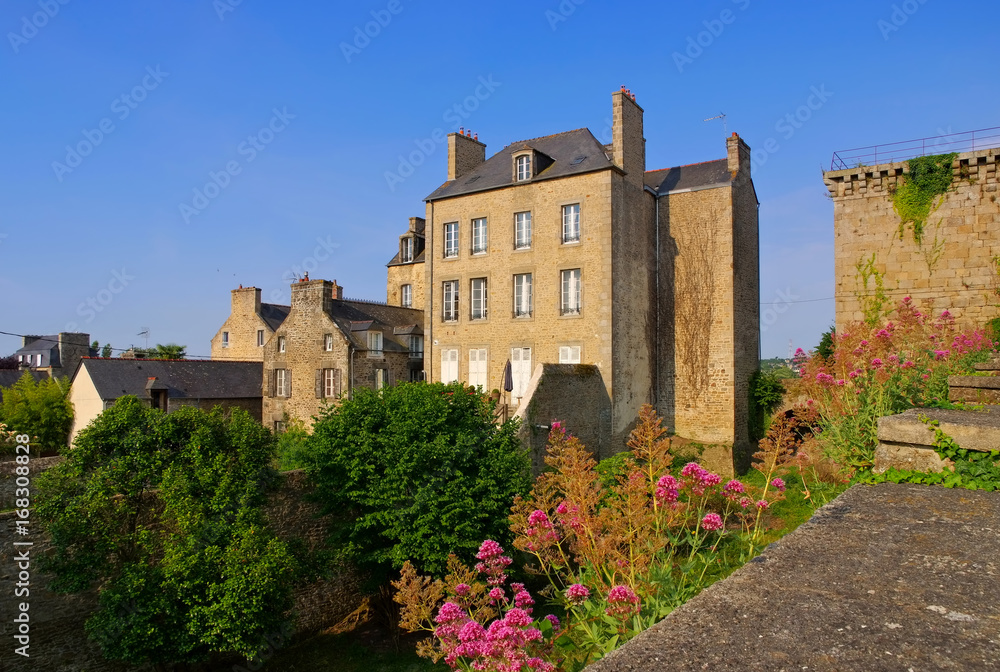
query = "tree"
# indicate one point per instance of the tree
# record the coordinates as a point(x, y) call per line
point(41, 409)
point(826, 347)
point(9, 362)
point(415, 472)
point(168, 351)
point(106, 350)
point(163, 514)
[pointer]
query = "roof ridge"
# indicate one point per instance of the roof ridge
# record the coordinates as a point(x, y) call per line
point(551, 135)
point(685, 165)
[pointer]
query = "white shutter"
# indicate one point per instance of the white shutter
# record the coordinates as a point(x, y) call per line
point(449, 366)
point(569, 354)
point(520, 359)
point(477, 367)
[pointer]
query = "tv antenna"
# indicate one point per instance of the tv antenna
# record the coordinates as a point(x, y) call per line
point(720, 115)
point(145, 334)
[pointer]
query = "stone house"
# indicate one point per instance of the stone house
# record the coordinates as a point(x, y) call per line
point(328, 345)
point(249, 326)
point(405, 275)
point(166, 384)
point(56, 355)
point(563, 250)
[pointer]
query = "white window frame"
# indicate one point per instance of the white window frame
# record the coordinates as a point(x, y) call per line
point(329, 383)
point(571, 223)
point(327, 342)
point(570, 283)
point(480, 237)
point(260, 338)
point(478, 367)
point(449, 365)
point(281, 387)
point(523, 167)
point(375, 344)
point(416, 346)
point(451, 240)
point(520, 359)
point(381, 379)
point(479, 297)
point(406, 251)
point(281, 343)
point(569, 354)
point(522, 230)
point(406, 296)
point(522, 295)
point(225, 339)
point(449, 301)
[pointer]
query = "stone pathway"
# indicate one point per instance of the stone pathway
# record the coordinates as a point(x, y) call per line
point(889, 577)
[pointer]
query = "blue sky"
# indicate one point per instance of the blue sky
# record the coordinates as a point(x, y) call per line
point(302, 120)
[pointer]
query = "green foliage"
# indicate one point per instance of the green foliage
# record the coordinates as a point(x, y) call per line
point(610, 469)
point(766, 393)
point(876, 305)
point(163, 514)
point(168, 351)
point(913, 200)
point(972, 469)
point(292, 446)
point(106, 350)
point(825, 347)
point(993, 329)
point(415, 472)
point(40, 409)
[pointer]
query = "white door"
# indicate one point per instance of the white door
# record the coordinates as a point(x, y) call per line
point(520, 368)
point(449, 366)
point(477, 367)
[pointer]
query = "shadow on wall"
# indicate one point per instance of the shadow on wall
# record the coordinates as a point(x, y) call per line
point(574, 394)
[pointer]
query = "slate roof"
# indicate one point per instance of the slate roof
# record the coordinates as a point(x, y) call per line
point(571, 152)
point(47, 346)
point(419, 259)
point(355, 317)
point(273, 314)
point(211, 379)
point(707, 175)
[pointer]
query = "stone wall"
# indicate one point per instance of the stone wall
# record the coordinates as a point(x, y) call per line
point(573, 394)
point(951, 269)
point(243, 323)
point(58, 640)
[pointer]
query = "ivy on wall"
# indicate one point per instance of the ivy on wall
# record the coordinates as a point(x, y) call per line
point(914, 198)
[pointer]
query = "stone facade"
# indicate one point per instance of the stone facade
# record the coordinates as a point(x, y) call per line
point(407, 268)
point(322, 348)
point(668, 269)
point(250, 325)
point(951, 269)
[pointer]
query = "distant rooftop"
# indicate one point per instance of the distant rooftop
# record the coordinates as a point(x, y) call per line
point(967, 141)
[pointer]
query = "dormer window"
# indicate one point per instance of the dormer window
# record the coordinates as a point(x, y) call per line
point(522, 167)
point(406, 251)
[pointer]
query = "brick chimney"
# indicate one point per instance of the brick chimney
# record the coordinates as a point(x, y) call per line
point(628, 147)
point(337, 292)
point(246, 301)
point(465, 153)
point(312, 295)
point(738, 155)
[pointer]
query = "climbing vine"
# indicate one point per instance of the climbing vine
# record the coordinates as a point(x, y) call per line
point(914, 199)
point(871, 293)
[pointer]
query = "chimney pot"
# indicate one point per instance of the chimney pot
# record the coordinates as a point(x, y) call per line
point(461, 130)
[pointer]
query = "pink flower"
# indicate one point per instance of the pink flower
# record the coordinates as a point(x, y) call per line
point(462, 589)
point(517, 618)
point(622, 602)
point(709, 479)
point(883, 333)
point(496, 593)
point(562, 508)
point(489, 549)
point(577, 593)
point(941, 354)
point(554, 620)
point(762, 504)
point(778, 485)
point(841, 382)
point(734, 487)
point(556, 425)
point(449, 612)
point(692, 469)
point(711, 522)
point(945, 314)
point(667, 488)
point(877, 363)
point(854, 374)
point(538, 517)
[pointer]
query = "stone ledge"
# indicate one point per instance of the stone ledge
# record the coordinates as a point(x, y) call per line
point(971, 430)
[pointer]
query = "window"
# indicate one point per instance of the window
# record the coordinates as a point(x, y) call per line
point(406, 296)
point(331, 383)
point(569, 354)
point(479, 240)
point(571, 223)
point(449, 366)
point(520, 368)
point(260, 337)
point(381, 378)
point(477, 367)
point(328, 342)
point(416, 346)
point(225, 339)
point(522, 230)
point(406, 250)
point(282, 386)
point(39, 359)
point(570, 304)
point(281, 343)
point(279, 427)
point(451, 240)
point(522, 295)
point(449, 305)
point(523, 168)
point(374, 343)
point(479, 298)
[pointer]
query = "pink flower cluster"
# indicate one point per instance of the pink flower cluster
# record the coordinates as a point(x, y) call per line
point(711, 522)
point(541, 532)
point(667, 489)
point(622, 602)
point(577, 593)
point(699, 478)
point(494, 562)
point(778, 484)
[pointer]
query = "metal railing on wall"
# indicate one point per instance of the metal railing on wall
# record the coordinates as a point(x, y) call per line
point(967, 141)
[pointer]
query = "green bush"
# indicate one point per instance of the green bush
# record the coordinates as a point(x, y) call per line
point(766, 393)
point(40, 409)
point(415, 472)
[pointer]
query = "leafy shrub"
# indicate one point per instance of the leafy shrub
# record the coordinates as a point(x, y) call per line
point(41, 409)
point(766, 393)
point(415, 472)
point(293, 449)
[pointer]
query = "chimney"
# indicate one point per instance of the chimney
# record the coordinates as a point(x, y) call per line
point(312, 295)
point(738, 155)
point(246, 301)
point(628, 147)
point(337, 292)
point(417, 224)
point(464, 154)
